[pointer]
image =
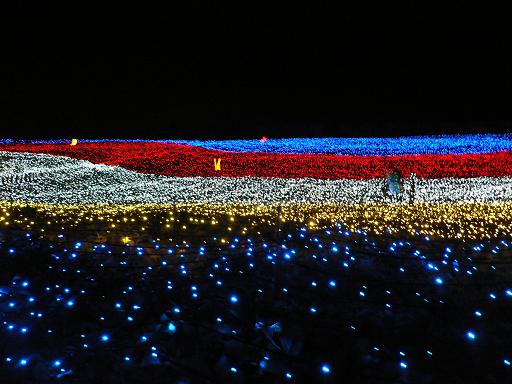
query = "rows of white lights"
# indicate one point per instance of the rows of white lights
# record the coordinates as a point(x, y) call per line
point(52, 179)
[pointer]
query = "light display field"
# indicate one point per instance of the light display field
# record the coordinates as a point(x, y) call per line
point(245, 261)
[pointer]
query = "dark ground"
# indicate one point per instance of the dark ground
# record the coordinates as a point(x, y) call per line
point(271, 330)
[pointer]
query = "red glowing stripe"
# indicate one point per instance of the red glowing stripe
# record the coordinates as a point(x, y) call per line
point(184, 160)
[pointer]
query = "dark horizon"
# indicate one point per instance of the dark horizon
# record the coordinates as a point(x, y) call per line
point(202, 72)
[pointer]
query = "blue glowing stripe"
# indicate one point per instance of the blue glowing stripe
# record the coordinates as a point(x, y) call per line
point(456, 144)
point(407, 145)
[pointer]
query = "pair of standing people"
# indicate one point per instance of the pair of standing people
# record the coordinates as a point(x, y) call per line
point(394, 186)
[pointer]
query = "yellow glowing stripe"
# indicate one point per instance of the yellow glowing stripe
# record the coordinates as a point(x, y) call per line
point(459, 220)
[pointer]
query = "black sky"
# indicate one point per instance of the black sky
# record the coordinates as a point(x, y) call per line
point(201, 71)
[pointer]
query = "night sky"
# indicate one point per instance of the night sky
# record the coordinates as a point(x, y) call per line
point(77, 69)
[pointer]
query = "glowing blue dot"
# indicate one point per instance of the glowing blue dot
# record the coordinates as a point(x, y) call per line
point(508, 292)
point(70, 303)
point(24, 330)
point(105, 338)
point(23, 362)
point(176, 310)
point(332, 283)
point(233, 299)
point(129, 318)
point(361, 293)
point(326, 369)
point(288, 375)
point(506, 362)
point(56, 363)
point(312, 310)
point(439, 281)
point(126, 358)
point(471, 335)
point(478, 313)
point(143, 338)
point(233, 369)
point(403, 364)
point(171, 327)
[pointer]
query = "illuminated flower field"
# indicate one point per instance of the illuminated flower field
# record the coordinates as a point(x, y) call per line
point(290, 260)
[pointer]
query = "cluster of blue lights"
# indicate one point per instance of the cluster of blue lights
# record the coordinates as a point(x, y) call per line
point(368, 146)
point(444, 144)
point(258, 306)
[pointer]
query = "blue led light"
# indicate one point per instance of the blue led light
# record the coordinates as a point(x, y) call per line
point(325, 369)
point(171, 328)
point(471, 335)
point(233, 299)
point(105, 338)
